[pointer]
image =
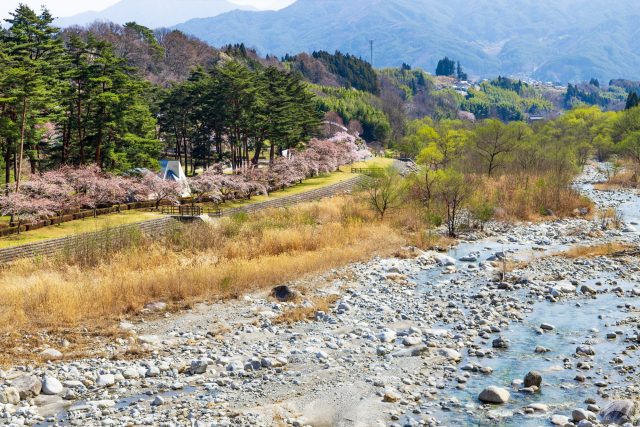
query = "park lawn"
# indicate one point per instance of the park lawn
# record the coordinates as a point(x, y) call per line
point(104, 222)
point(79, 226)
point(313, 183)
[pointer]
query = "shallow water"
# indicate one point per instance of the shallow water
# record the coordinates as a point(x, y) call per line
point(576, 322)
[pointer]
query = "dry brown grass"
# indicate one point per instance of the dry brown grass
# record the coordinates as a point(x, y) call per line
point(527, 197)
point(606, 249)
point(196, 263)
point(307, 311)
point(627, 178)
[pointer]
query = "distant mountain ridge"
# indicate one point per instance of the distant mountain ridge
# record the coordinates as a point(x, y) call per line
point(550, 40)
point(154, 13)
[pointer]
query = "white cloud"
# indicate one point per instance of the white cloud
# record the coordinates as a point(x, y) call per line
point(64, 8)
point(59, 8)
point(265, 4)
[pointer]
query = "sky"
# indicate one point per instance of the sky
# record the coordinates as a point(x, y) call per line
point(64, 8)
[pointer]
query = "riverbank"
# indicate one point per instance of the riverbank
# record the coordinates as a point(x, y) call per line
point(410, 340)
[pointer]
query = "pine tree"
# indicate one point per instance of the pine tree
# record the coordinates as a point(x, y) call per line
point(632, 101)
point(32, 56)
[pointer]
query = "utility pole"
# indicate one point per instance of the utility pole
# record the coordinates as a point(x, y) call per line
point(371, 61)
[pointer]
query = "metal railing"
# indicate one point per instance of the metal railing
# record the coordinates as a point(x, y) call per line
point(190, 210)
point(368, 171)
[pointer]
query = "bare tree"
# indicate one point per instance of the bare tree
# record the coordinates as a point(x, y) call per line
point(384, 191)
point(453, 189)
point(492, 142)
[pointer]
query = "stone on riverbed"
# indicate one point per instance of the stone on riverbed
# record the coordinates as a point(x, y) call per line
point(10, 395)
point(27, 386)
point(560, 420)
point(106, 380)
point(444, 260)
point(283, 293)
point(387, 335)
point(51, 386)
point(50, 354)
point(533, 378)
point(450, 354)
point(585, 350)
point(198, 367)
point(582, 414)
point(501, 342)
point(493, 394)
point(618, 412)
point(547, 327)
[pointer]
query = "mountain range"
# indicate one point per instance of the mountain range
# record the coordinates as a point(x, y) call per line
point(548, 40)
point(154, 13)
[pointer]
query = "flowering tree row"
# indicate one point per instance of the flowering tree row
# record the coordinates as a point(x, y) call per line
point(69, 189)
point(320, 156)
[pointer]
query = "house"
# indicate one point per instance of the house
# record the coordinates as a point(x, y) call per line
point(172, 170)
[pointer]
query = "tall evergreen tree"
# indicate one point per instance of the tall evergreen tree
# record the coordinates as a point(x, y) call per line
point(632, 101)
point(32, 57)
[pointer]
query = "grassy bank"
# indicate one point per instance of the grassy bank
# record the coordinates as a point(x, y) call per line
point(194, 263)
point(79, 226)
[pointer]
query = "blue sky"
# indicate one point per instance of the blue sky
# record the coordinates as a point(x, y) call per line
point(64, 8)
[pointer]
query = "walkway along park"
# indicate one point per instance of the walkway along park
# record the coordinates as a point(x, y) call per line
point(156, 227)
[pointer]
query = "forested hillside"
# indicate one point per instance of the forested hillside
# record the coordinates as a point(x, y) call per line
point(549, 40)
point(125, 96)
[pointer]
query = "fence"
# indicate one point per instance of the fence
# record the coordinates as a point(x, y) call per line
point(72, 216)
point(191, 210)
point(155, 227)
point(320, 193)
point(368, 171)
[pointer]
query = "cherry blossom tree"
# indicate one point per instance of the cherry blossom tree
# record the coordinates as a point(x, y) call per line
point(105, 191)
point(22, 207)
point(208, 185)
point(54, 187)
point(161, 189)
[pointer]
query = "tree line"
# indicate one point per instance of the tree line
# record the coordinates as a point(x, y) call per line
point(78, 97)
point(511, 170)
point(232, 114)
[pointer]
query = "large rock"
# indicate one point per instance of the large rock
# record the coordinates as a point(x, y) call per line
point(451, 354)
point(493, 394)
point(10, 395)
point(106, 380)
point(51, 354)
point(387, 335)
point(444, 260)
point(560, 420)
point(533, 378)
point(198, 367)
point(618, 412)
point(501, 342)
point(582, 414)
point(27, 386)
point(51, 386)
point(585, 350)
point(283, 293)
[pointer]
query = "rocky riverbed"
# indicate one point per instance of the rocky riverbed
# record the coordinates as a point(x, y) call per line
point(458, 338)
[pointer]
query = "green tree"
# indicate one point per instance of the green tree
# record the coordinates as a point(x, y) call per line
point(446, 67)
point(493, 141)
point(384, 191)
point(454, 189)
point(632, 100)
point(30, 70)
